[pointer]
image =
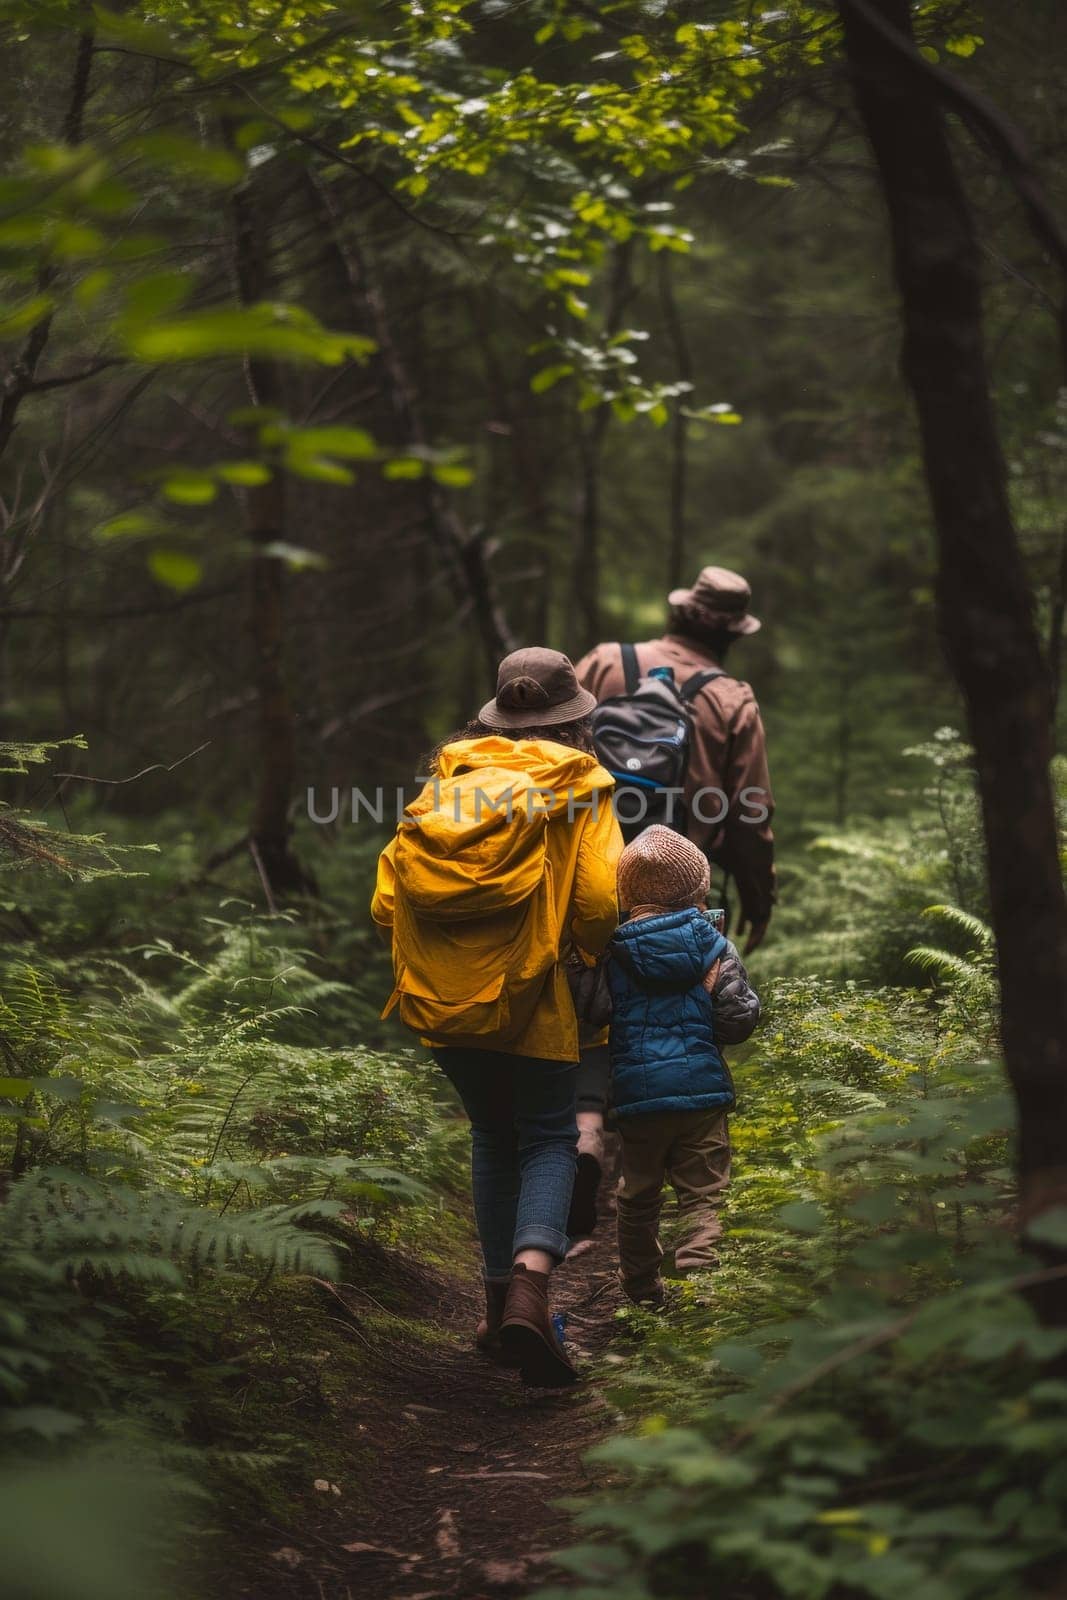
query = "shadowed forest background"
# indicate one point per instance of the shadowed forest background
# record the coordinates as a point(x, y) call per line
point(344, 348)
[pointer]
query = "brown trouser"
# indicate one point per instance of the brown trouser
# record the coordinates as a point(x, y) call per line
point(690, 1150)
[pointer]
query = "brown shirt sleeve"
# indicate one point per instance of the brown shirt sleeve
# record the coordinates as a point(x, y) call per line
point(730, 754)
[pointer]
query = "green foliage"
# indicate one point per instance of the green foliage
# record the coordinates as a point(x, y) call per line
point(852, 1404)
point(198, 1103)
point(88, 1530)
point(84, 221)
point(183, 1136)
point(856, 903)
point(26, 841)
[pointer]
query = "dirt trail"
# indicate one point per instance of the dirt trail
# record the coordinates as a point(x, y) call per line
point(460, 1465)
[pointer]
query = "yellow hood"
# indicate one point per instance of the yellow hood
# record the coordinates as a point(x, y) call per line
point(473, 843)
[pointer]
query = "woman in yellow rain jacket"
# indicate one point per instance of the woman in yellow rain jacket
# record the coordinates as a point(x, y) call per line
point(504, 864)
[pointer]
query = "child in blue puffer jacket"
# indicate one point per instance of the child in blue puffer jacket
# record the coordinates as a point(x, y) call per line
point(679, 992)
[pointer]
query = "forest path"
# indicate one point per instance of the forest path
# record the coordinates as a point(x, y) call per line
point(456, 1466)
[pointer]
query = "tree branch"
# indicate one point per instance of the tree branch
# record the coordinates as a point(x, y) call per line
point(63, 380)
point(994, 130)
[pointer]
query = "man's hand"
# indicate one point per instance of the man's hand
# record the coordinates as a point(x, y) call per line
point(757, 932)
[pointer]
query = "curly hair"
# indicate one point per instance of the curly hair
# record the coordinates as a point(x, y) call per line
point(577, 735)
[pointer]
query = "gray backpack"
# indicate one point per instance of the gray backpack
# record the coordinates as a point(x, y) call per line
point(644, 737)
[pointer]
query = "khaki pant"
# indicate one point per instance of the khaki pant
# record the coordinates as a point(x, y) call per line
point(690, 1150)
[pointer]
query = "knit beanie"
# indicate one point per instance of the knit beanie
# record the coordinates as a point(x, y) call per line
point(660, 868)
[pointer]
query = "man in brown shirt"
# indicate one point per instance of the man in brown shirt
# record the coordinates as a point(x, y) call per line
point(728, 788)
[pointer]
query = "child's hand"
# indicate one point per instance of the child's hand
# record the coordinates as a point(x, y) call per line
point(711, 977)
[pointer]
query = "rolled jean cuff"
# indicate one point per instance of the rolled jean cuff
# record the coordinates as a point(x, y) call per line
point(534, 1237)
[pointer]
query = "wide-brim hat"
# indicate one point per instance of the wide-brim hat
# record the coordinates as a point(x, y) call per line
point(721, 599)
point(536, 688)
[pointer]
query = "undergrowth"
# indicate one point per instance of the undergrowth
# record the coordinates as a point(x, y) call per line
point(194, 1136)
point(861, 1400)
point(203, 1122)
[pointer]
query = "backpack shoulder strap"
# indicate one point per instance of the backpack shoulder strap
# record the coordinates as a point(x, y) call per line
point(630, 669)
point(692, 686)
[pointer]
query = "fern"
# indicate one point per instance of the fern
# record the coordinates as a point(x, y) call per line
point(968, 978)
point(177, 1122)
point(966, 923)
point(17, 756)
point(70, 1222)
point(943, 964)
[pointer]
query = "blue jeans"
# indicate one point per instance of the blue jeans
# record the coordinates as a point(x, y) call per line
point(524, 1140)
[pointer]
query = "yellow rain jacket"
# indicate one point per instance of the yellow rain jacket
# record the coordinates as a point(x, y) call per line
point(506, 859)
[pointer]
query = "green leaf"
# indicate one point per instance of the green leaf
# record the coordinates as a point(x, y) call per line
point(350, 444)
point(453, 476)
point(964, 44)
point(19, 319)
point(175, 569)
point(73, 240)
point(248, 474)
point(549, 376)
point(318, 469)
point(128, 525)
point(404, 467)
point(190, 488)
point(23, 233)
point(88, 291)
point(288, 333)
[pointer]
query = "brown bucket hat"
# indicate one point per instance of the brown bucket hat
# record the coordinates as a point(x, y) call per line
point(536, 688)
point(721, 598)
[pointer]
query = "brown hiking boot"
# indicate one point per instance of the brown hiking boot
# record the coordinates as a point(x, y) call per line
point(527, 1335)
point(487, 1333)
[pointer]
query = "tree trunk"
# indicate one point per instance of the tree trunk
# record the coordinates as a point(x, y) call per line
point(1055, 630)
point(679, 427)
point(529, 481)
point(20, 380)
point(269, 835)
point(466, 555)
point(985, 606)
